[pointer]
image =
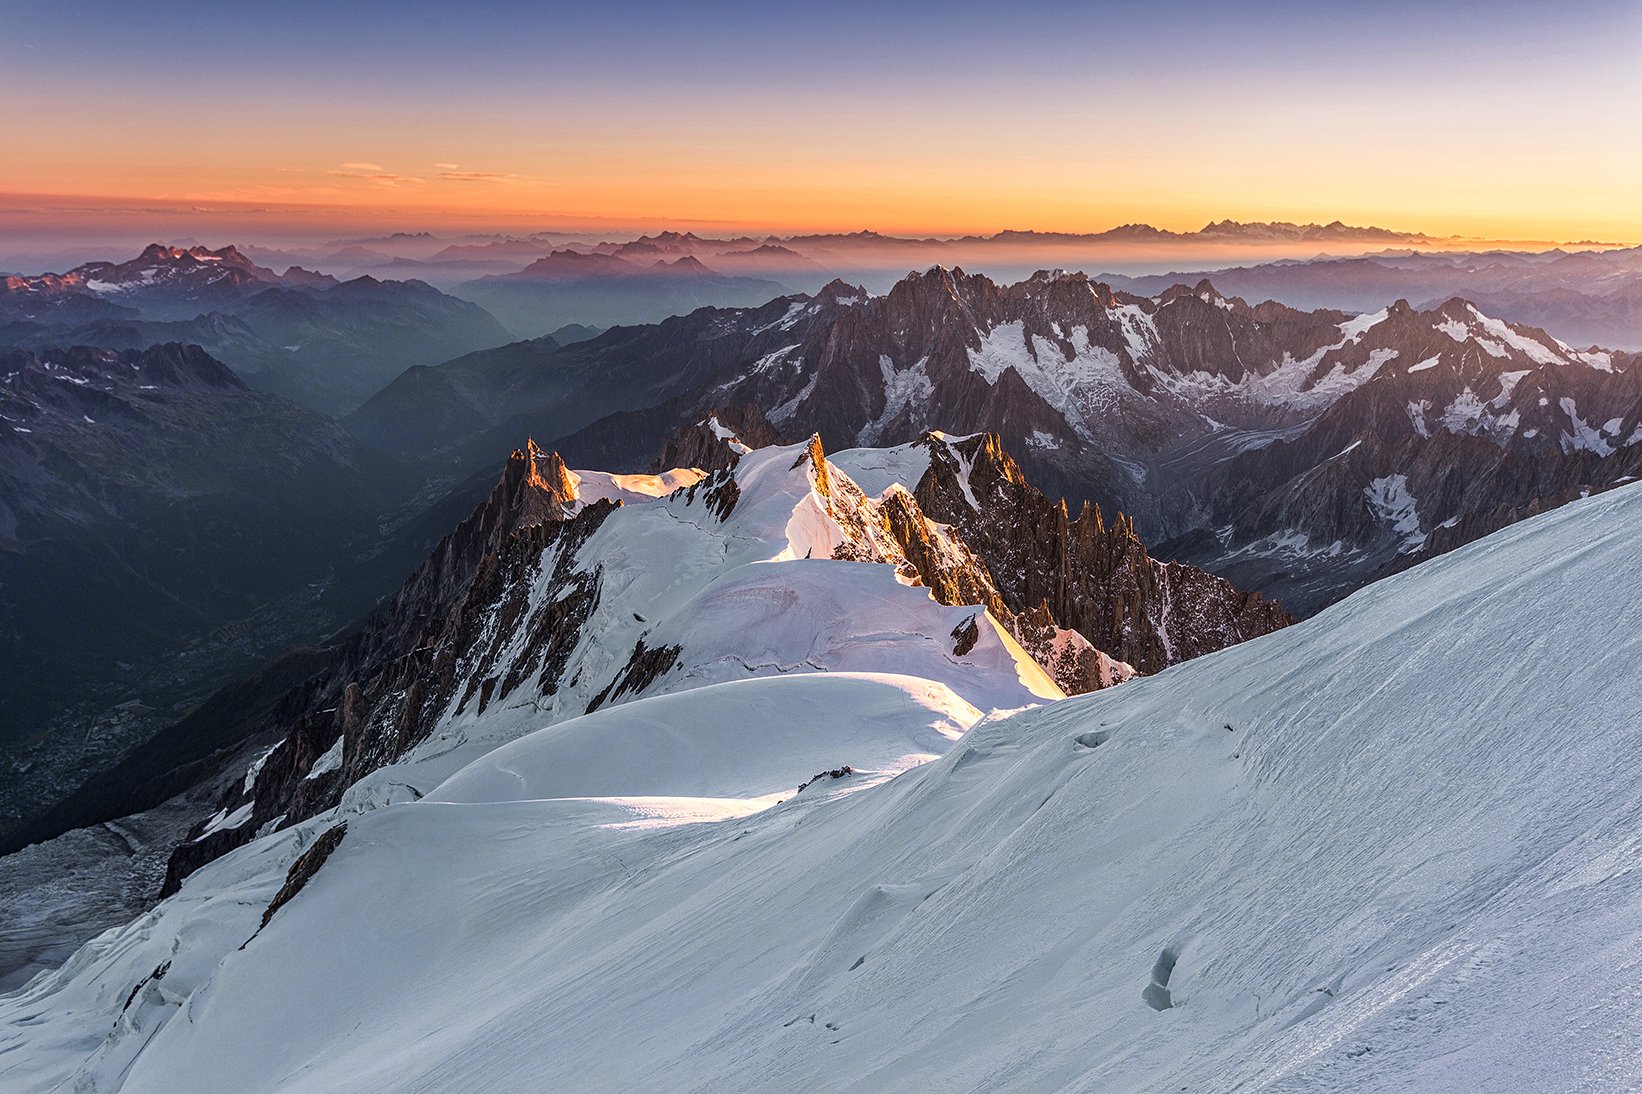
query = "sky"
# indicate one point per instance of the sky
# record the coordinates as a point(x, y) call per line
point(1503, 120)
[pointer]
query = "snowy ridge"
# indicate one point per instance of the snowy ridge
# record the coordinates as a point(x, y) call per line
point(1377, 851)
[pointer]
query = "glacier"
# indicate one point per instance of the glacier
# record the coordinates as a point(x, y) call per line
point(1393, 847)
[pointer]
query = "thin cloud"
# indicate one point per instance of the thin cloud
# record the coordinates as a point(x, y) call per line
point(447, 166)
point(478, 176)
point(370, 172)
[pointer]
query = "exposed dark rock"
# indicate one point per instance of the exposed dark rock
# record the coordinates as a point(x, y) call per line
point(303, 870)
point(835, 773)
point(719, 493)
point(1090, 576)
point(643, 668)
point(700, 445)
point(437, 644)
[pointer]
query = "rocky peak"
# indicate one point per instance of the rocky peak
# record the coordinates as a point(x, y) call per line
point(536, 487)
point(719, 440)
point(161, 252)
point(816, 457)
point(440, 641)
point(838, 288)
point(1094, 576)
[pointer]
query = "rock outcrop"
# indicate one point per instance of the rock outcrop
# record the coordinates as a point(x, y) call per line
point(438, 642)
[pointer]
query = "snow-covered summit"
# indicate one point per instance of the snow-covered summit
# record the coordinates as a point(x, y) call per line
point(1387, 849)
point(568, 592)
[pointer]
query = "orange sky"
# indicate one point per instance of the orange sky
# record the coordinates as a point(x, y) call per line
point(1483, 121)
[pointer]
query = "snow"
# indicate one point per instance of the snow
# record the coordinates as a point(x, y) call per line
point(1409, 864)
point(757, 594)
point(224, 820)
point(256, 765)
point(1087, 386)
point(1290, 543)
point(1294, 384)
point(1417, 416)
point(875, 470)
point(1428, 363)
point(329, 761)
point(1535, 350)
point(772, 359)
point(1508, 382)
point(1393, 504)
point(1468, 414)
point(594, 486)
point(737, 743)
point(1455, 329)
point(794, 312)
point(790, 407)
point(1139, 330)
point(1352, 330)
point(1041, 440)
point(904, 390)
point(1581, 436)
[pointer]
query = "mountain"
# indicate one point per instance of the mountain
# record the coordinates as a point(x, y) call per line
point(606, 290)
point(1215, 231)
point(1477, 424)
point(1202, 419)
point(768, 258)
point(302, 335)
point(1385, 849)
point(466, 414)
point(1333, 231)
point(1584, 297)
point(175, 282)
point(567, 591)
point(54, 298)
point(574, 332)
point(162, 527)
point(343, 343)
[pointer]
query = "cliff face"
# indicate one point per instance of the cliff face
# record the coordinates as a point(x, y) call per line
point(1091, 576)
point(716, 441)
point(387, 686)
point(521, 615)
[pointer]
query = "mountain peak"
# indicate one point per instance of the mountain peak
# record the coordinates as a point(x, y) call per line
point(688, 264)
point(719, 440)
point(536, 487)
point(816, 456)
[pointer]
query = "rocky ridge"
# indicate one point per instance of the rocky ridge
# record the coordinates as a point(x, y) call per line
point(540, 607)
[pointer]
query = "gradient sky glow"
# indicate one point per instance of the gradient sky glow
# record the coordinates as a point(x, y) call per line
point(1508, 120)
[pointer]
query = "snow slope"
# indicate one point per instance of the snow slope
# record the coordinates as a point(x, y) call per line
point(756, 593)
point(1395, 847)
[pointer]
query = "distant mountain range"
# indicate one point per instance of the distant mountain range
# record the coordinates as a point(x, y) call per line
point(304, 335)
point(807, 260)
point(1583, 297)
point(1304, 452)
point(609, 289)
